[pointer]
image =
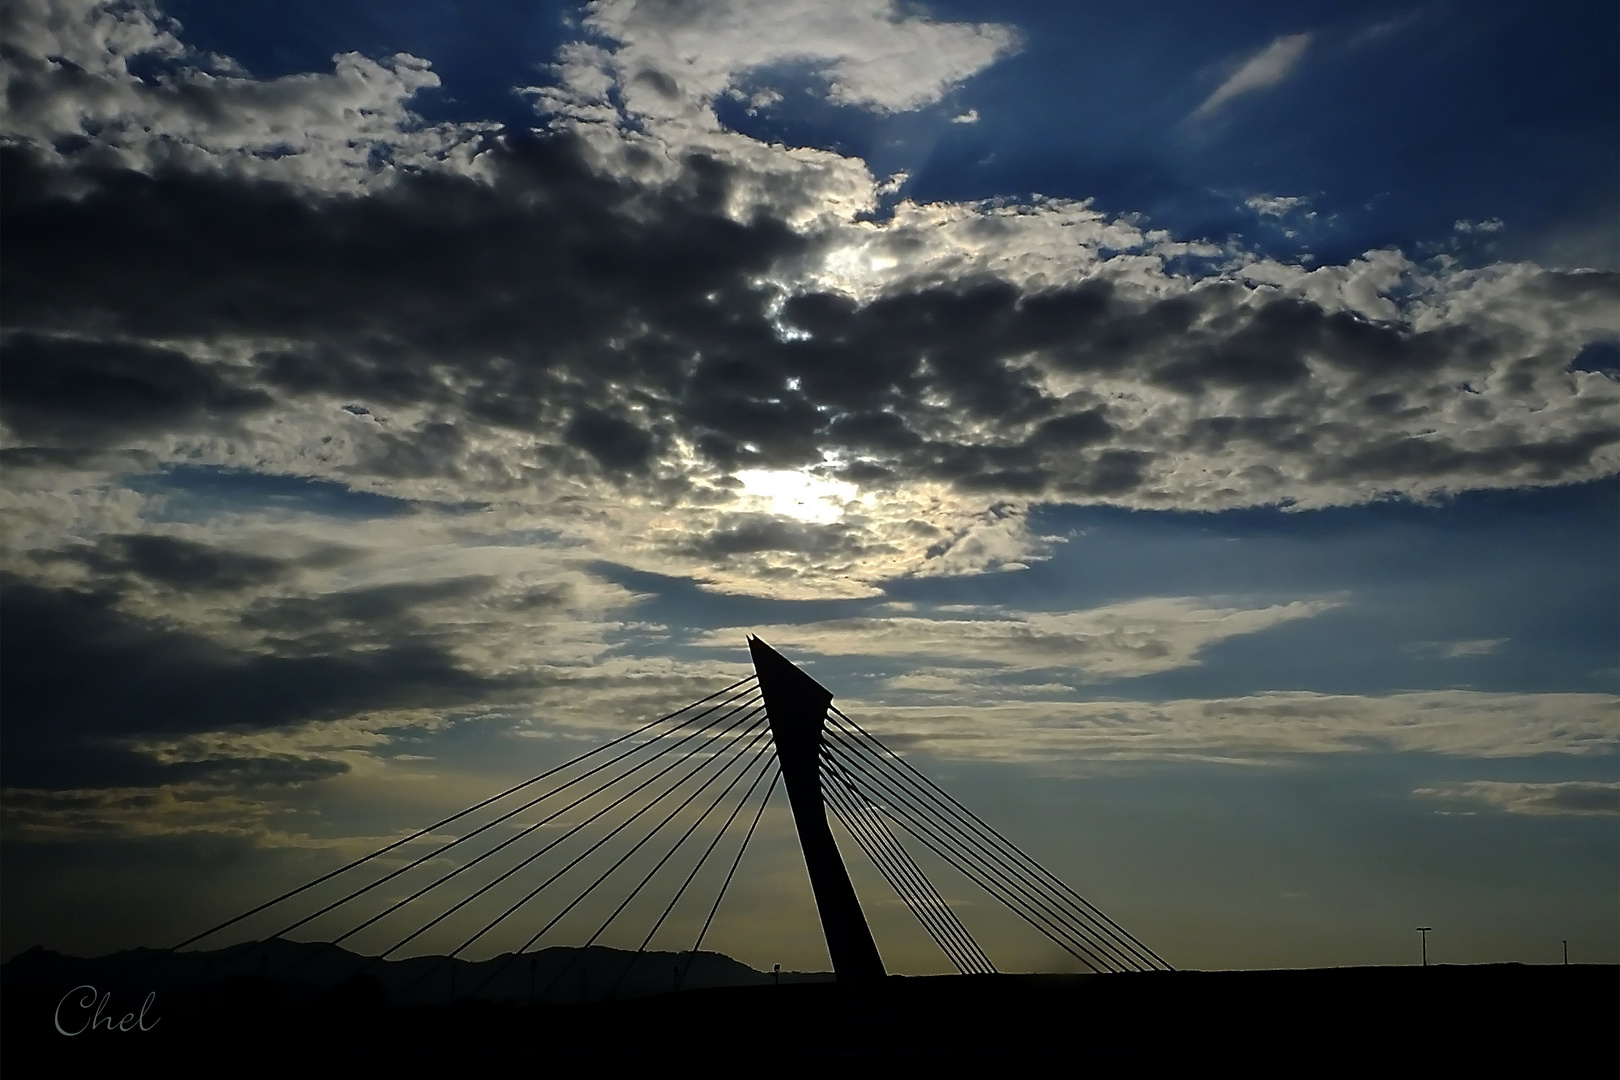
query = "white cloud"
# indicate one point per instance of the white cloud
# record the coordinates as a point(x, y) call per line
point(969, 117)
point(1268, 67)
point(1490, 225)
point(871, 53)
point(1456, 650)
point(67, 74)
point(645, 100)
point(1377, 32)
point(1275, 205)
point(1127, 640)
point(1258, 728)
point(1571, 797)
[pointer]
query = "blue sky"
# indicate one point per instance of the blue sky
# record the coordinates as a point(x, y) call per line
point(1395, 123)
point(1190, 433)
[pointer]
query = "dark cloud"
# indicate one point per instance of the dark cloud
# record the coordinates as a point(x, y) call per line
point(61, 457)
point(89, 393)
point(538, 598)
point(521, 279)
point(1285, 433)
point(1074, 430)
point(603, 320)
point(1113, 472)
point(617, 444)
point(1400, 458)
point(82, 679)
point(1580, 798)
point(880, 432)
point(175, 563)
point(660, 83)
point(384, 606)
point(757, 533)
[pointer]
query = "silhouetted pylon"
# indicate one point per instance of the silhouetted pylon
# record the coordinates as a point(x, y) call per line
point(796, 706)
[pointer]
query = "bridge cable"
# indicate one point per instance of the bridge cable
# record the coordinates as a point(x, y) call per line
point(745, 696)
point(972, 824)
point(718, 799)
point(843, 810)
point(453, 817)
point(903, 858)
point(762, 732)
point(947, 839)
point(1008, 889)
point(1008, 893)
point(516, 837)
point(860, 826)
point(1054, 883)
point(904, 875)
point(878, 805)
point(533, 802)
point(691, 957)
point(1097, 940)
point(755, 731)
point(450, 957)
point(719, 834)
point(748, 718)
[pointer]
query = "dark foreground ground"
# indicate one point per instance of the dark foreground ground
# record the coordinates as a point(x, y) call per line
point(1496, 1019)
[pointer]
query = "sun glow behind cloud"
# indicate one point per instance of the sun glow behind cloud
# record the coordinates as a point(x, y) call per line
point(799, 495)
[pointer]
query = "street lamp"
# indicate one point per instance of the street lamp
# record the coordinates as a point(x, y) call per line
point(1424, 931)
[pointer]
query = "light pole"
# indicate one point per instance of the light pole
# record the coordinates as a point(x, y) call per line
point(1424, 931)
point(1566, 951)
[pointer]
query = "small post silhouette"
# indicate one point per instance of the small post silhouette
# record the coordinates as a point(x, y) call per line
point(1566, 952)
point(776, 975)
point(1424, 931)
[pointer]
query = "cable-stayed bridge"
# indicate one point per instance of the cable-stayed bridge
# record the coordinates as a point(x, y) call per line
point(480, 938)
point(659, 820)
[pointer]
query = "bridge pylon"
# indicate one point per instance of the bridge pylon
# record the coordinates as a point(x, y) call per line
point(796, 706)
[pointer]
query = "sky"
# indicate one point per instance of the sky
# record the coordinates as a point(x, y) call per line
point(1191, 434)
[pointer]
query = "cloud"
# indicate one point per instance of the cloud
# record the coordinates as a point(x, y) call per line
point(969, 117)
point(83, 682)
point(173, 562)
point(1062, 735)
point(224, 808)
point(1456, 650)
point(1275, 205)
point(1126, 640)
point(70, 92)
point(548, 338)
point(1571, 797)
point(60, 390)
point(1268, 67)
point(871, 53)
point(339, 456)
point(599, 326)
point(1381, 31)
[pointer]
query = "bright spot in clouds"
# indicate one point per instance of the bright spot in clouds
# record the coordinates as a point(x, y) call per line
point(799, 495)
point(852, 269)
